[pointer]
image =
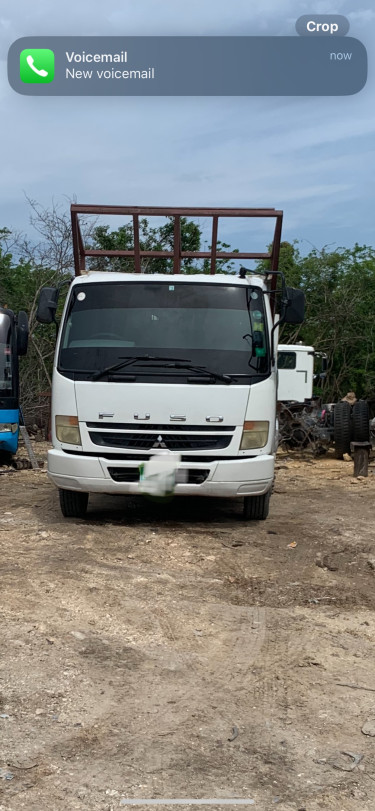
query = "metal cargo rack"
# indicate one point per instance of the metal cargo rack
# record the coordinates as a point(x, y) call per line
point(80, 251)
point(177, 254)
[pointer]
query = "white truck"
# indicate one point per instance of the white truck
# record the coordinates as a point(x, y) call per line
point(175, 363)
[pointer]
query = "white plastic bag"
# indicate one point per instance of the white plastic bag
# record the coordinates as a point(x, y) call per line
point(158, 474)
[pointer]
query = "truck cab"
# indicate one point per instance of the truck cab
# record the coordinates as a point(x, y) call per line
point(295, 363)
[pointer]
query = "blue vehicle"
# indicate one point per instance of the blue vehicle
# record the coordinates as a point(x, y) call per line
point(13, 343)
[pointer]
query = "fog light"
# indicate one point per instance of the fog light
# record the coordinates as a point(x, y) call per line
point(254, 435)
point(8, 427)
point(67, 430)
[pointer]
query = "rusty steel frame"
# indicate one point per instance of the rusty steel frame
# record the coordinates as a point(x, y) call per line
point(81, 252)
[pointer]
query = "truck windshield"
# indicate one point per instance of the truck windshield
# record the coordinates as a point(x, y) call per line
point(218, 326)
point(6, 365)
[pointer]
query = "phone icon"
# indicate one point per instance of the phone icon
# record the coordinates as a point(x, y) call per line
point(37, 65)
point(30, 62)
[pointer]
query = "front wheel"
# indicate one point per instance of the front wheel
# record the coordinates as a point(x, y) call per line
point(256, 508)
point(73, 503)
point(6, 458)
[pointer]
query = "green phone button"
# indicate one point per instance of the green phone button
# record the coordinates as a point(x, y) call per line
point(37, 65)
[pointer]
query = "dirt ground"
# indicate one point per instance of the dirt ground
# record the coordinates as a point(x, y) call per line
point(177, 652)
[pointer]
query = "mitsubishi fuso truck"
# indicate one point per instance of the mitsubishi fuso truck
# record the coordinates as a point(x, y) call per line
point(180, 364)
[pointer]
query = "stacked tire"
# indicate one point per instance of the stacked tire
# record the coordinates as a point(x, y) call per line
point(361, 422)
point(342, 428)
point(351, 424)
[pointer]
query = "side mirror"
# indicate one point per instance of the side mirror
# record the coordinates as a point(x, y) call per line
point(293, 310)
point(22, 332)
point(319, 377)
point(47, 305)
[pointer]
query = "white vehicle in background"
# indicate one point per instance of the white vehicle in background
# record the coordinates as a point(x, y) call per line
point(303, 419)
point(178, 364)
point(295, 363)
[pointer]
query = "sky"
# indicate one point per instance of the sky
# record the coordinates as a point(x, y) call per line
point(312, 157)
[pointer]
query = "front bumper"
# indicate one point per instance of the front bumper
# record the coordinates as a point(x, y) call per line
point(8, 441)
point(225, 479)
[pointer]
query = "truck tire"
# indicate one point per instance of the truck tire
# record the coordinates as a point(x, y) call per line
point(256, 508)
point(73, 503)
point(361, 422)
point(342, 428)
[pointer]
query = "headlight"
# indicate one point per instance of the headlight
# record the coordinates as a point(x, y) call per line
point(254, 435)
point(8, 427)
point(67, 430)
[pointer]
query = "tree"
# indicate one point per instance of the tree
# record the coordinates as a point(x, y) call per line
point(19, 289)
point(340, 313)
point(151, 239)
point(159, 238)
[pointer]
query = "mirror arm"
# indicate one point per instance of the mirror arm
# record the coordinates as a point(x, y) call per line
point(283, 303)
point(280, 321)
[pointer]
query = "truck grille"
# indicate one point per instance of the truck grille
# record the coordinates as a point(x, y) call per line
point(131, 474)
point(172, 442)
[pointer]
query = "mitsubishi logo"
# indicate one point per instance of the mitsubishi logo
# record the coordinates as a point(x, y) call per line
point(159, 442)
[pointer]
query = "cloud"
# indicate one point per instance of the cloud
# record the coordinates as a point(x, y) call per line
point(364, 15)
point(311, 156)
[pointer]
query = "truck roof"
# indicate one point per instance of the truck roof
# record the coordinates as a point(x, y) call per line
point(95, 276)
point(295, 348)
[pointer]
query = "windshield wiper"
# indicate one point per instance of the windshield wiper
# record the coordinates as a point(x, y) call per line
point(201, 370)
point(167, 363)
point(127, 360)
